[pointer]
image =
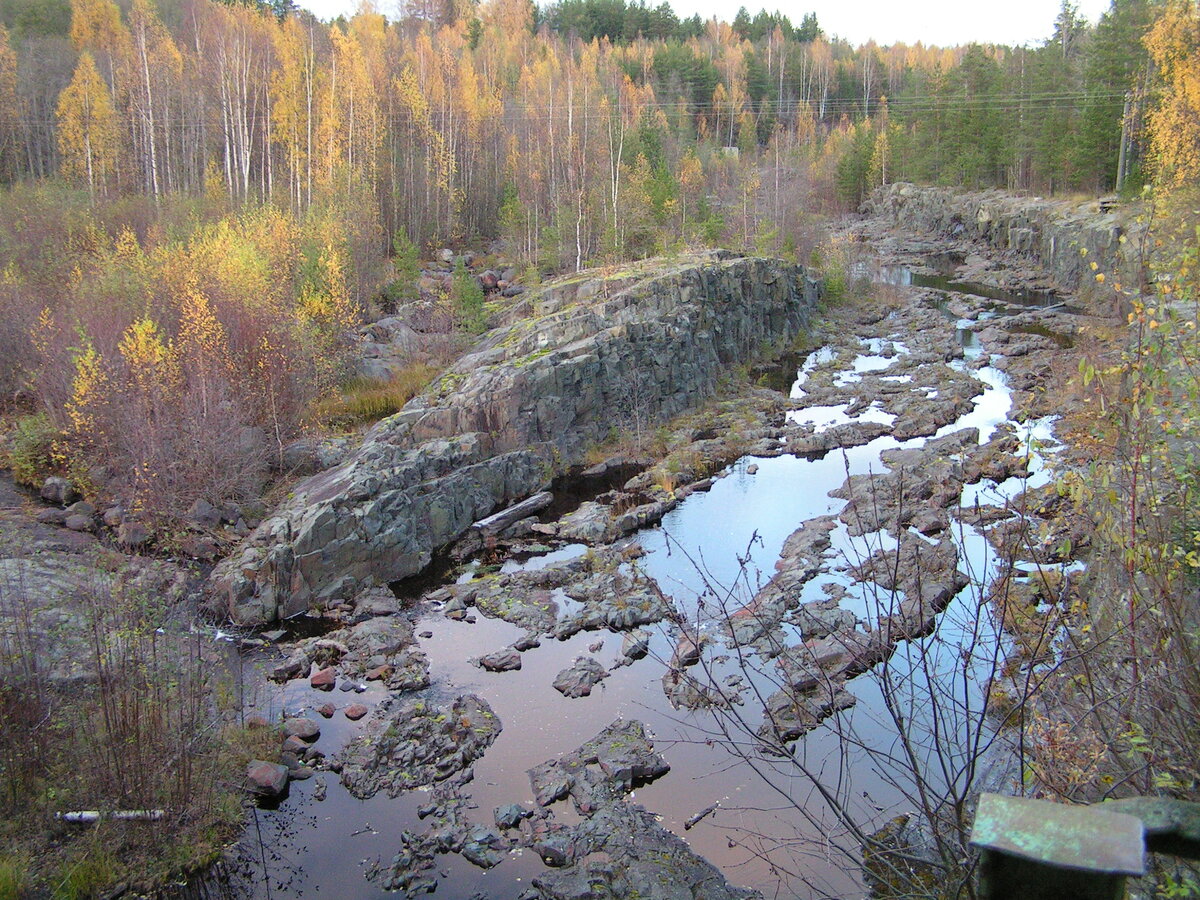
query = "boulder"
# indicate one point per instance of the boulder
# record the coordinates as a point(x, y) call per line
point(58, 490)
point(204, 514)
point(324, 680)
point(305, 729)
point(132, 534)
point(416, 743)
point(266, 779)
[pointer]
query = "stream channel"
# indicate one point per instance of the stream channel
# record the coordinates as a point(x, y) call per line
point(711, 552)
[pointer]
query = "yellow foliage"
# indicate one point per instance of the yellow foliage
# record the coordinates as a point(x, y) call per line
point(1174, 124)
point(87, 127)
point(89, 388)
point(145, 353)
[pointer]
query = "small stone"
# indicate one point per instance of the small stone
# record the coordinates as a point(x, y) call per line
point(481, 855)
point(324, 680)
point(752, 469)
point(506, 660)
point(79, 523)
point(81, 508)
point(426, 634)
point(266, 779)
point(114, 516)
point(303, 773)
point(327, 710)
point(526, 642)
point(509, 816)
point(303, 728)
point(687, 652)
point(580, 678)
point(379, 673)
point(355, 711)
point(554, 849)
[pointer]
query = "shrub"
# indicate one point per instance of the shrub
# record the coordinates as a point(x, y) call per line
point(29, 453)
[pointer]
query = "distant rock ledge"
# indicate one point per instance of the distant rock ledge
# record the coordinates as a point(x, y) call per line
point(584, 355)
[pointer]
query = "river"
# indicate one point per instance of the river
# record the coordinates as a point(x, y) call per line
point(710, 553)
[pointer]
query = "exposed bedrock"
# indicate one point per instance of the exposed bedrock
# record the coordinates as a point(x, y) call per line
point(585, 355)
point(1053, 233)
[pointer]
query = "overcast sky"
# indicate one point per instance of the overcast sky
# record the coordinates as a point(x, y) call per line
point(941, 22)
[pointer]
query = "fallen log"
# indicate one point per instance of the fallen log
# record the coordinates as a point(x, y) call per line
point(91, 816)
point(497, 522)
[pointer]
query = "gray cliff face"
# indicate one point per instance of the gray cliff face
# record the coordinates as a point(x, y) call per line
point(588, 355)
point(1052, 232)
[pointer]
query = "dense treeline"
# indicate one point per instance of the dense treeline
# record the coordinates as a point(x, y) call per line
point(581, 131)
point(203, 196)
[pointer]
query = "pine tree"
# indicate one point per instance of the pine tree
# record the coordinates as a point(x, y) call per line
point(466, 296)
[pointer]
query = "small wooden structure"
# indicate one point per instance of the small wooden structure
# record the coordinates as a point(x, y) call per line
point(1035, 849)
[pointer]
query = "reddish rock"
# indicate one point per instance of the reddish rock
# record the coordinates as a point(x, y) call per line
point(305, 729)
point(324, 680)
point(293, 744)
point(327, 710)
point(355, 711)
point(379, 673)
point(267, 779)
point(257, 720)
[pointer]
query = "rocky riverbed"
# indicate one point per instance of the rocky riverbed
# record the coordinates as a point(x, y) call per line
point(782, 550)
point(598, 696)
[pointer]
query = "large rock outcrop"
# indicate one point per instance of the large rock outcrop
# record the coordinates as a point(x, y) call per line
point(591, 353)
point(1053, 233)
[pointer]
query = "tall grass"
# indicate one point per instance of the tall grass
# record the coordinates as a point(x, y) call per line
point(365, 400)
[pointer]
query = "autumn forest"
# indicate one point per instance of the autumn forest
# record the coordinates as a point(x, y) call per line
point(204, 198)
